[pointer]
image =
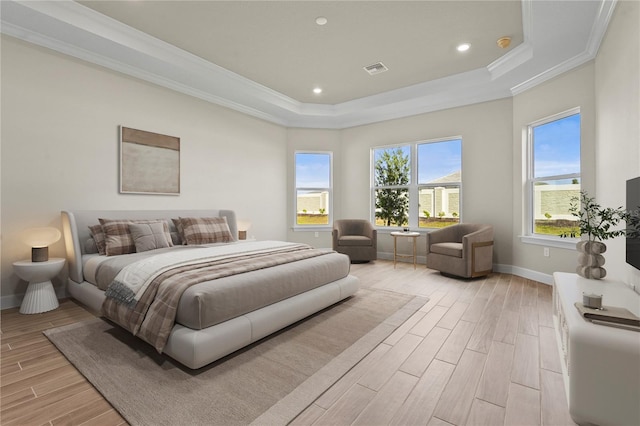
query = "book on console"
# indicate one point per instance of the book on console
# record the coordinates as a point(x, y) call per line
point(611, 314)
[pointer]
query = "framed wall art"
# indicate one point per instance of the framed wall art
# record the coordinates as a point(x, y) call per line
point(149, 163)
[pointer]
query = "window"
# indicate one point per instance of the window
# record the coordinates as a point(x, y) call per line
point(417, 185)
point(553, 173)
point(313, 188)
point(439, 181)
point(392, 175)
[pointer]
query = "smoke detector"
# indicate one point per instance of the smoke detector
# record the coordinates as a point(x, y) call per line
point(504, 42)
point(376, 68)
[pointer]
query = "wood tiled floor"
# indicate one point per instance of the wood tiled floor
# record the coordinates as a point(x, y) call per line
point(480, 352)
point(38, 386)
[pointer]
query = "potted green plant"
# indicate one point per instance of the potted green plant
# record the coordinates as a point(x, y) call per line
point(597, 224)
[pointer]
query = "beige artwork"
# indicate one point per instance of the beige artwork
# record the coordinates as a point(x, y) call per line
point(149, 162)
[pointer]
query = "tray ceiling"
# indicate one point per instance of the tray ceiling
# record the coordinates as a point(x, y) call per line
point(264, 58)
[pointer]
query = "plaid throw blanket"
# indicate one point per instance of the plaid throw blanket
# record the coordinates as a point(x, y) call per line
point(147, 305)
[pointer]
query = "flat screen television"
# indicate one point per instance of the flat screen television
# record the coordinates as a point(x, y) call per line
point(633, 203)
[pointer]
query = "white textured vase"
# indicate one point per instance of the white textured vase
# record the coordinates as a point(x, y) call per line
point(590, 259)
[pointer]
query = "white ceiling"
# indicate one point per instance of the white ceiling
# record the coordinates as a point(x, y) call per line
point(279, 45)
point(264, 57)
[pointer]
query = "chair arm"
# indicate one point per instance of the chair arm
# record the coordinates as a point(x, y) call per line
point(335, 233)
point(369, 231)
point(483, 236)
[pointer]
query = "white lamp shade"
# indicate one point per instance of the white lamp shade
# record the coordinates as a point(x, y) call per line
point(41, 237)
point(244, 225)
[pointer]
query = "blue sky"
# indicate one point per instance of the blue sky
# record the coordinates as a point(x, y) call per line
point(313, 170)
point(556, 150)
point(435, 159)
point(438, 159)
point(556, 147)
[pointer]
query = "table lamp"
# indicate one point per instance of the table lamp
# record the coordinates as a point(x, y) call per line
point(40, 239)
point(243, 227)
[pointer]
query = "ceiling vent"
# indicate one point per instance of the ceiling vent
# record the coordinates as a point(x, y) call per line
point(376, 68)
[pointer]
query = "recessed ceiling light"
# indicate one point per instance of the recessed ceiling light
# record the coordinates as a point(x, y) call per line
point(463, 47)
point(321, 20)
point(317, 90)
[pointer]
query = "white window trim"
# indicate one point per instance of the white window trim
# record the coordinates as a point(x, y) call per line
point(311, 228)
point(372, 191)
point(550, 241)
point(529, 237)
point(413, 186)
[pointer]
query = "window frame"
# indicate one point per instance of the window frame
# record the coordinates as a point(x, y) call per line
point(529, 235)
point(374, 188)
point(435, 185)
point(413, 186)
point(296, 225)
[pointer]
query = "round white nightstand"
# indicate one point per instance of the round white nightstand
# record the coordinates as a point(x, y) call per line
point(40, 296)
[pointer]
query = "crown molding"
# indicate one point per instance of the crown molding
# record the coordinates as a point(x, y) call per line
point(72, 29)
point(600, 23)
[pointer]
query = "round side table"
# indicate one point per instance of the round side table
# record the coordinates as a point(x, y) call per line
point(40, 296)
point(414, 236)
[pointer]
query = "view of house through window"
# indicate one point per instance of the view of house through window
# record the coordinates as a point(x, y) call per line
point(418, 185)
point(439, 180)
point(313, 188)
point(554, 172)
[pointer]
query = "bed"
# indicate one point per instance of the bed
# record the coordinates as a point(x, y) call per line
point(213, 317)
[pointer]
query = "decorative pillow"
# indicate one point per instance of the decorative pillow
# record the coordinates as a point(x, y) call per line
point(118, 239)
point(98, 237)
point(148, 236)
point(205, 230)
point(178, 226)
point(90, 246)
point(175, 238)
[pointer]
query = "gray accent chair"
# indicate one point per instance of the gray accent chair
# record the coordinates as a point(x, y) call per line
point(464, 250)
point(356, 238)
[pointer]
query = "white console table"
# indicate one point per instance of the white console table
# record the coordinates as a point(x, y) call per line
point(601, 364)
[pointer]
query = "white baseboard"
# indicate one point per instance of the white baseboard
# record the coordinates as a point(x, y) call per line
point(14, 300)
point(10, 301)
point(505, 269)
point(524, 273)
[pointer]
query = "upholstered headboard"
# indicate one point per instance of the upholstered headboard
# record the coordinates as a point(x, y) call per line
point(75, 226)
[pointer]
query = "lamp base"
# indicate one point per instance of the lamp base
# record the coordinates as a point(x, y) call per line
point(242, 235)
point(39, 254)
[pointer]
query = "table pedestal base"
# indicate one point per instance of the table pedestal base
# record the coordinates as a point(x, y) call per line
point(40, 297)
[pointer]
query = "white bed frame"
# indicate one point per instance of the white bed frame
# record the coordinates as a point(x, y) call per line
point(197, 348)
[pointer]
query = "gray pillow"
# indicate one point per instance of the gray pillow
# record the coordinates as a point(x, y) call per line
point(148, 236)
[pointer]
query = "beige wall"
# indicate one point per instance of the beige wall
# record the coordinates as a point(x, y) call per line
point(486, 165)
point(617, 91)
point(314, 140)
point(486, 134)
point(60, 121)
point(570, 90)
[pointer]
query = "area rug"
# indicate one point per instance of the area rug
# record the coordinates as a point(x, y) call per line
point(268, 382)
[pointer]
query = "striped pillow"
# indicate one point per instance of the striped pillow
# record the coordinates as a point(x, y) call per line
point(118, 239)
point(98, 236)
point(205, 230)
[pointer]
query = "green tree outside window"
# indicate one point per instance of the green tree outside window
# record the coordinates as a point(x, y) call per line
point(392, 169)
